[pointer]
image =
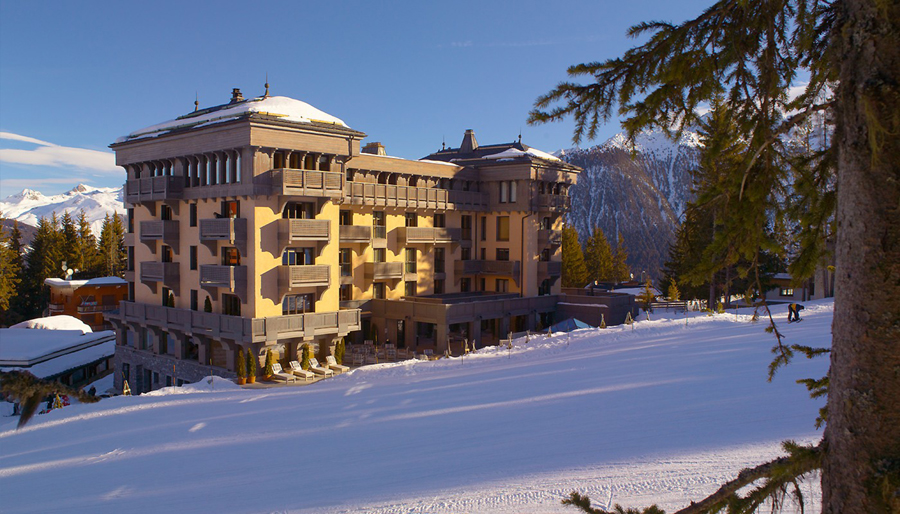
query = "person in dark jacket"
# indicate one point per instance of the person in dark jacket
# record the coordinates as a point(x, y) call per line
point(794, 312)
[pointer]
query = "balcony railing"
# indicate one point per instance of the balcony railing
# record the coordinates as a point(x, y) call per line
point(551, 203)
point(550, 269)
point(288, 181)
point(159, 230)
point(233, 230)
point(355, 234)
point(84, 309)
point(389, 195)
point(151, 189)
point(384, 270)
point(479, 267)
point(427, 235)
point(57, 307)
point(232, 279)
point(237, 328)
point(290, 230)
point(549, 237)
point(313, 275)
point(165, 272)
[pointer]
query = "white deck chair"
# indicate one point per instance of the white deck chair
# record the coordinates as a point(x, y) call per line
point(315, 368)
point(332, 364)
point(298, 370)
point(278, 372)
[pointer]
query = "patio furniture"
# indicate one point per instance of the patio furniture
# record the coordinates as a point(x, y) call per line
point(319, 370)
point(358, 359)
point(298, 370)
point(332, 364)
point(279, 373)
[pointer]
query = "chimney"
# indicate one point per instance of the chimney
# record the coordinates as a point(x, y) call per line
point(236, 96)
point(469, 144)
point(374, 148)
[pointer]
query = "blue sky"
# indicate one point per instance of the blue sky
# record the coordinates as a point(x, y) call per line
point(74, 76)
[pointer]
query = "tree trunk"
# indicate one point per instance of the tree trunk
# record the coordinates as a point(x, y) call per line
point(861, 470)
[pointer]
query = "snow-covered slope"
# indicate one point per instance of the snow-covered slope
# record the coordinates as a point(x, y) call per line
point(659, 413)
point(96, 202)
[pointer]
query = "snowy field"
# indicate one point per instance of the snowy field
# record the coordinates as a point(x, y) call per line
point(660, 413)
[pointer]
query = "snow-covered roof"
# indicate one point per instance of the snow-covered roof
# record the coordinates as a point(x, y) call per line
point(75, 284)
point(105, 347)
point(25, 345)
point(282, 107)
point(50, 324)
point(513, 153)
point(782, 276)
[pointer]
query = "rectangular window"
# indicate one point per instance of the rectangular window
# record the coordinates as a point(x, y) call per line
point(483, 283)
point(410, 260)
point(504, 192)
point(411, 288)
point(502, 228)
point(786, 291)
point(346, 218)
point(344, 258)
point(484, 228)
point(439, 286)
point(130, 251)
point(378, 224)
point(166, 292)
point(465, 254)
point(166, 253)
point(546, 224)
point(194, 300)
point(379, 254)
point(378, 290)
point(231, 257)
point(294, 210)
point(298, 304)
point(346, 292)
point(512, 191)
point(465, 285)
point(439, 260)
point(502, 285)
point(439, 221)
point(130, 221)
point(545, 255)
point(412, 219)
point(502, 254)
point(231, 305)
point(297, 257)
point(165, 212)
point(483, 254)
point(193, 257)
point(168, 381)
point(231, 209)
point(193, 214)
point(466, 224)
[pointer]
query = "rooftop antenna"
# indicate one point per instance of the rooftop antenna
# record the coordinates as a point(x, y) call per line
point(520, 135)
point(196, 101)
point(267, 86)
point(444, 142)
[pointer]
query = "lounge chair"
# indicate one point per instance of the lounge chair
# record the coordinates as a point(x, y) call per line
point(333, 365)
point(278, 372)
point(319, 370)
point(358, 359)
point(298, 370)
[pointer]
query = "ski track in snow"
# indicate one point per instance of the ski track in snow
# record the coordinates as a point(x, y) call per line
point(656, 413)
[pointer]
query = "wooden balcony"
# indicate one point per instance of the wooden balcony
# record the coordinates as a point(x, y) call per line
point(237, 328)
point(166, 273)
point(549, 269)
point(549, 237)
point(230, 230)
point(479, 267)
point(151, 189)
point(389, 195)
point(294, 277)
point(551, 203)
point(88, 308)
point(56, 308)
point(384, 270)
point(427, 235)
point(229, 279)
point(355, 234)
point(292, 230)
point(319, 184)
point(166, 231)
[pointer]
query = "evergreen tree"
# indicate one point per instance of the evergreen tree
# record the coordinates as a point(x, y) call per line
point(241, 364)
point(88, 254)
point(339, 351)
point(751, 54)
point(113, 256)
point(10, 273)
point(674, 293)
point(647, 296)
point(598, 257)
point(17, 303)
point(270, 363)
point(42, 262)
point(621, 272)
point(574, 271)
point(304, 356)
point(69, 245)
point(251, 364)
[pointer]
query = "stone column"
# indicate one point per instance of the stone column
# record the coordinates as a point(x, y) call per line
point(441, 339)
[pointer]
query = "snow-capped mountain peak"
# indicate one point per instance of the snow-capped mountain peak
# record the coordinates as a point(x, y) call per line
point(96, 202)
